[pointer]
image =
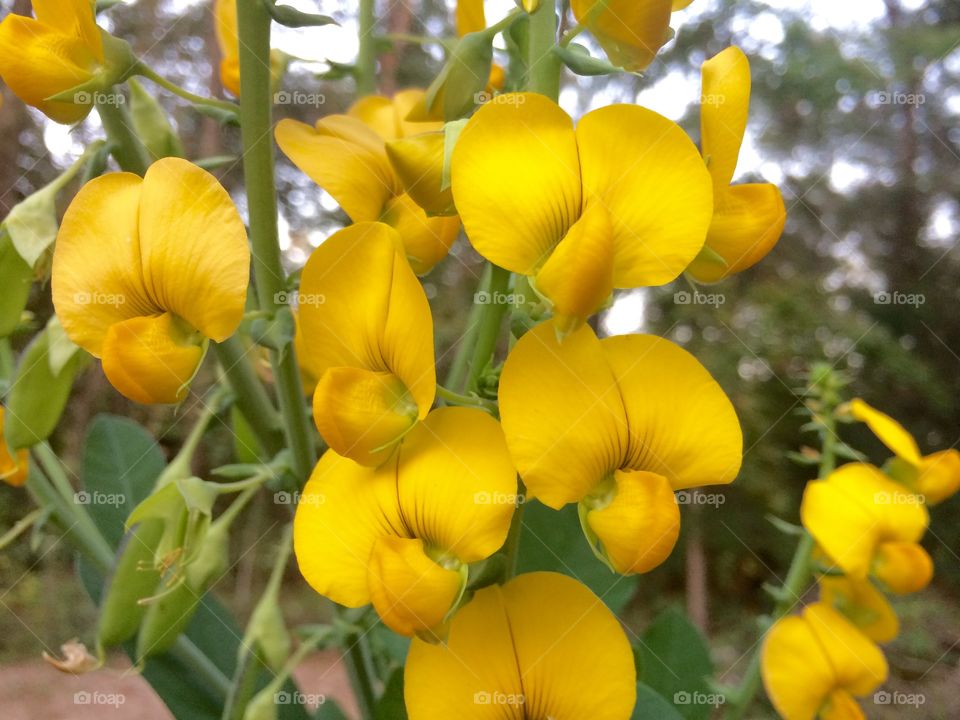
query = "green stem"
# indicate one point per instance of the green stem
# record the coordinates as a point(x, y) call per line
point(128, 149)
point(467, 400)
point(458, 368)
point(367, 56)
point(488, 328)
point(511, 547)
point(798, 577)
point(256, 131)
point(148, 72)
point(251, 397)
point(543, 65)
point(570, 34)
point(360, 678)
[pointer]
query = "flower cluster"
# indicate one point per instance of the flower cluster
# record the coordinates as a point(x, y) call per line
point(867, 524)
point(399, 512)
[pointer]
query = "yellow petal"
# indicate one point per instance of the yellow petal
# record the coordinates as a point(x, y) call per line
point(462, 677)
point(38, 61)
point(404, 102)
point(362, 414)
point(225, 27)
point(418, 162)
point(151, 359)
point(516, 180)
point(651, 179)
point(378, 114)
point(426, 240)
point(341, 513)
point(457, 484)
point(361, 306)
point(631, 32)
point(723, 112)
point(230, 75)
point(939, 476)
point(193, 247)
point(13, 467)
point(640, 526)
point(574, 658)
point(858, 664)
point(680, 4)
point(681, 423)
point(903, 567)
point(840, 705)
point(747, 222)
point(541, 646)
point(562, 414)
point(861, 603)
point(410, 592)
point(344, 157)
point(97, 279)
point(74, 18)
point(578, 277)
point(470, 17)
point(846, 530)
point(888, 431)
point(796, 673)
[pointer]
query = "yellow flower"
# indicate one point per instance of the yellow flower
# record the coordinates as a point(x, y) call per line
point(346, 155)
point(747, 219)
point(862, 604)
point(367, 336)
point(616, 425)
point(225, 25)
point(401, 535)
point(145, 269)
point(815, 664)
point(631, 32)
point(541, 646)
point(13, 466)
point(869, 526)
point(936, 476)
point(60, 50)
point(623, 201)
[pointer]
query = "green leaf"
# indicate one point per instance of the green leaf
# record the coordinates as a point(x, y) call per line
point(651, 706)
point(391, 705)
point(151, 124)
point(552, 540)
point(37, 396)
point(32, 223)
point(16, 279)
point(579, 60)
point(121, 460)
point(675, 662)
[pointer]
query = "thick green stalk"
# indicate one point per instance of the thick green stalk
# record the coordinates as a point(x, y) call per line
point(128, 149)
point(489, 326)
point(257, 133)
point(543, 65)
point(798, 579)
point(251, 397)
point(366, 70)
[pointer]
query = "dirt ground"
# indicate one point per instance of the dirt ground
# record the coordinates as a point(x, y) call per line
point(32, 689)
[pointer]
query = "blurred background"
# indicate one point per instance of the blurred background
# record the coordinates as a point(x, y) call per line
point(855, 116)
